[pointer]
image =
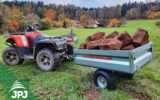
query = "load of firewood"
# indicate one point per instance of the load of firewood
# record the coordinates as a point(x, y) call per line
point(116, 41)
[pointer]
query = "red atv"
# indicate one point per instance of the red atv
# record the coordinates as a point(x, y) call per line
point(48, 51)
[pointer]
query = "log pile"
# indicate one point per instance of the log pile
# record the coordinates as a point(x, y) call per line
point(116, 41)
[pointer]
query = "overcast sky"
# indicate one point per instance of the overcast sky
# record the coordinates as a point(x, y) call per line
point(85, 3)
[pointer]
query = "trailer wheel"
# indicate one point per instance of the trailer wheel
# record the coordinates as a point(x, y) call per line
point(46, 60)
point(129, 76)
point(104, 80)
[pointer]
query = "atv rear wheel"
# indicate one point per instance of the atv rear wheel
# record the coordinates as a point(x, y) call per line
point(46, 60)
point(11, 56)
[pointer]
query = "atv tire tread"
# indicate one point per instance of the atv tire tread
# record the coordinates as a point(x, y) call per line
point(19, 60)
point(53, 62)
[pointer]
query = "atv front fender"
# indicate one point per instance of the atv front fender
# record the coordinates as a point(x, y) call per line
point(11, 41)
point(19, 40)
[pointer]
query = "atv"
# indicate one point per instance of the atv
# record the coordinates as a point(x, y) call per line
point(48, 51)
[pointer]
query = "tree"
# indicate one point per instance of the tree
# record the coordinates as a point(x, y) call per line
point(1, 23)
point(67, 22)
point(84, 20)
point(100, 14)
point(31, 19)
point(131, 10)
point(132, 13)
point(5, 13)
point(16, 14)
point(124, 9)
point(61, 17)
point(78, 14)
point(50, 14)
point(119, 9)
point(14, 26)
point(41, 12)
point(46, 23)
point(27, 8)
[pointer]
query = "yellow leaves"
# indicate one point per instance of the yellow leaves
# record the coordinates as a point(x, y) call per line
point(152, 15)
point(14, 25)
point(85, 21)
point(16, 14)
point(114, 22)
point(157, 14)
point(46, 23)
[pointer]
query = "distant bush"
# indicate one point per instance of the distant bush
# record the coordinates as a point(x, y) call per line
point(58, 24)
point(76, 24)
point(63, 23)
point(157, 24)
point(85, 21)
point(157, 14)
point(46, 23)
point(67, 23)
point(115, 23)
point(152, 15)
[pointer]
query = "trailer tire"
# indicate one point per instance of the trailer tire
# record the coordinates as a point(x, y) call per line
point(126, 76)
point(129, 76)
point(104, 80)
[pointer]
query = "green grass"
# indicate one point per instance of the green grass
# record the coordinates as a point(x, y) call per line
point(75, 79)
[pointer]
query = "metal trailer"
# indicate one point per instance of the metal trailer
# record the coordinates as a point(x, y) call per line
point(111, 62)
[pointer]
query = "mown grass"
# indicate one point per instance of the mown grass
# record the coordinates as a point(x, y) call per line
point(74, 80)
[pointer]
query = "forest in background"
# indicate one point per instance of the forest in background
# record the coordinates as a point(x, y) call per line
point(16, 15)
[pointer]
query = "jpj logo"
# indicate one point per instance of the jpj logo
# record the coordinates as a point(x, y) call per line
point(20, 94)
point(18, 91)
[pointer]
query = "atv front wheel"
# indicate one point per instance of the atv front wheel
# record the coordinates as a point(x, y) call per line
point(11, 56)
point(46, 60)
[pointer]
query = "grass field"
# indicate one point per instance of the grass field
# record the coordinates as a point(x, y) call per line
point(70, 81)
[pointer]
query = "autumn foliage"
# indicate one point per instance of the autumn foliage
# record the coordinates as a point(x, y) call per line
point(50, 14)
point(114, 22)
point(14, 25)
point(152, 15)
point(157, 14)
point(17, 16)
point(46, 23)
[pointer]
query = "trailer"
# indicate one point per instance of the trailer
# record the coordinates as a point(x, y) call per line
point(109, 62)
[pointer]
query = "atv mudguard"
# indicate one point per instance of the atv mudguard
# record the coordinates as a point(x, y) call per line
point(19, 40)
point(44, 44)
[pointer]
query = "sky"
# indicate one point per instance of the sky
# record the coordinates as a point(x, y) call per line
point(85, 3)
